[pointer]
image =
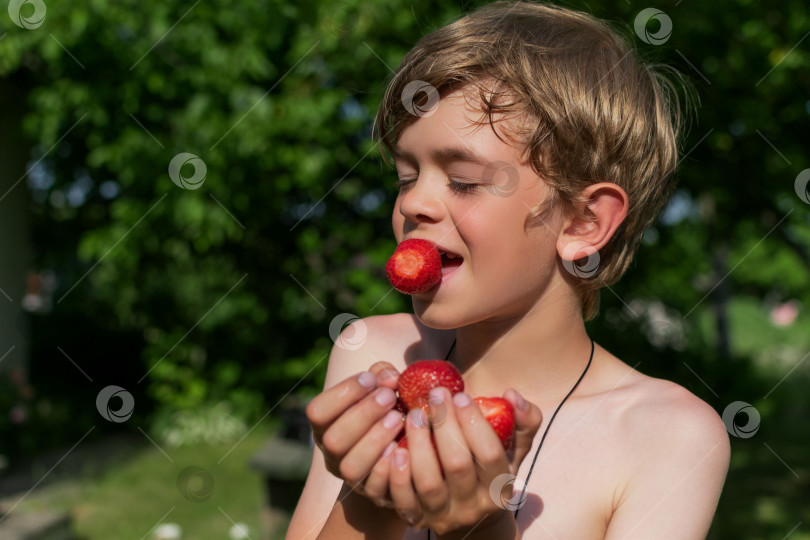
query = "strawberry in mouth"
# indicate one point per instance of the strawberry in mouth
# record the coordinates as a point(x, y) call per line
point(415, 267)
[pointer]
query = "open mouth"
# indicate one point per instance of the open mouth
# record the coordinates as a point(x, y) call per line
point(450, 260)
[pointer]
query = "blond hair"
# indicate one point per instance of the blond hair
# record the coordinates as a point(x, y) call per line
point(591, 109)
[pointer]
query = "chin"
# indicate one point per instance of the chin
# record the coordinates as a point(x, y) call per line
point(434, 317)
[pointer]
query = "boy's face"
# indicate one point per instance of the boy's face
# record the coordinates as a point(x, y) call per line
point(470, 193)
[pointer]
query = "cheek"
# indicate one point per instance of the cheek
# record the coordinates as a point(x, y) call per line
point(500, 245)
point(491, 236)
point(397, 222)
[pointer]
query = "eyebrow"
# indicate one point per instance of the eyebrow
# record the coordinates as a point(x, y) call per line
point(447, 154)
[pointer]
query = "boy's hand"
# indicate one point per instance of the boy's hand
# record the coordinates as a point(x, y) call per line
point(354, 421)
point(472, 459)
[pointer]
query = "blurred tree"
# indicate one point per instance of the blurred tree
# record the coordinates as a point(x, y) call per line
point(225, 290)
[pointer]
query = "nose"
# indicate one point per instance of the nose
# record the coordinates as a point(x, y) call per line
point(420, 202)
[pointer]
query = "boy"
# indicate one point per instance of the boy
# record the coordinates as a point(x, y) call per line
point(540, 150)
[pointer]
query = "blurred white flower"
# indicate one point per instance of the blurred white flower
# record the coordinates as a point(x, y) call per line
point(239, 531)
point(168, 531)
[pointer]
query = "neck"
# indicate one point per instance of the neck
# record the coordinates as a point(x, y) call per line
point(541, 353)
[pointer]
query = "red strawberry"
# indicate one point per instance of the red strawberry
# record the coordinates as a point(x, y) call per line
point(415, 267)
point(501, 416)
point(417, 380)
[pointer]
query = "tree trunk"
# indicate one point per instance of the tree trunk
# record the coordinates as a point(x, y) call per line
point(15, 249)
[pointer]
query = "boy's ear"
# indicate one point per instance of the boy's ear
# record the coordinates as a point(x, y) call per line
point(593, 222)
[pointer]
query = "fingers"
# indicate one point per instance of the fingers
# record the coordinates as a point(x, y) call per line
point(402, 492)
point(361, 457)
point(387, 375)
point(324, 408)
point(428, 481)
point(528, 419)
point(456, 460)
point(357, 421)
point(486, 447)
point(376, 485)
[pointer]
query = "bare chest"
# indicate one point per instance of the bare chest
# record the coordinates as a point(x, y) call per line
point(573, 482)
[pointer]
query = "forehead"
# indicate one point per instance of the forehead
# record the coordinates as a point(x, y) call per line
point(458, 128)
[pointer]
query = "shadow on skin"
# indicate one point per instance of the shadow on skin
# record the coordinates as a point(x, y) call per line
point(365, 517)
point(529, 512)
point(432, 345)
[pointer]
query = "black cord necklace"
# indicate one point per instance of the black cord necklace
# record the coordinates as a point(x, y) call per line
point(543, 438)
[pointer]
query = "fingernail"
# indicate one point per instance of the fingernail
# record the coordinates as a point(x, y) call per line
point(392, 419)
point(387, 375)
point(367, 379)
point(400, 458)
point(385, 397)
point(407, 517)
point(388, 449)
point(461, 399)
point(519, 401)
point(417, 417)
point(436, 396)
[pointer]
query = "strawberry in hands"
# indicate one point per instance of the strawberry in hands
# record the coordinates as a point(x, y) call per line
point(416, 382)
point(501, 416)
point(449, 487)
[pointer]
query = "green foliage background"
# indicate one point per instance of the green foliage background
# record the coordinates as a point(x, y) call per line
point(225, 293)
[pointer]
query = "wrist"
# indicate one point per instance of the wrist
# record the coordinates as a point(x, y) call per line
point(499, 525)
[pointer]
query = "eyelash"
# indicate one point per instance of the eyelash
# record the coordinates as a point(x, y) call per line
point(461, 188)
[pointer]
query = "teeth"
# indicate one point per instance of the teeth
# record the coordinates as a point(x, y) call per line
point(451, 256)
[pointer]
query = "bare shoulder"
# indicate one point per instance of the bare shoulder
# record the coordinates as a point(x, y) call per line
point(358, 346)
point(672, 455)
point(658, 411)
point(399, 338)
point(388, 336)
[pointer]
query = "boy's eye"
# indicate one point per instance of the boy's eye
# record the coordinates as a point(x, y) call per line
point(462, 187)
point(458, 187)
point(402, 182)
